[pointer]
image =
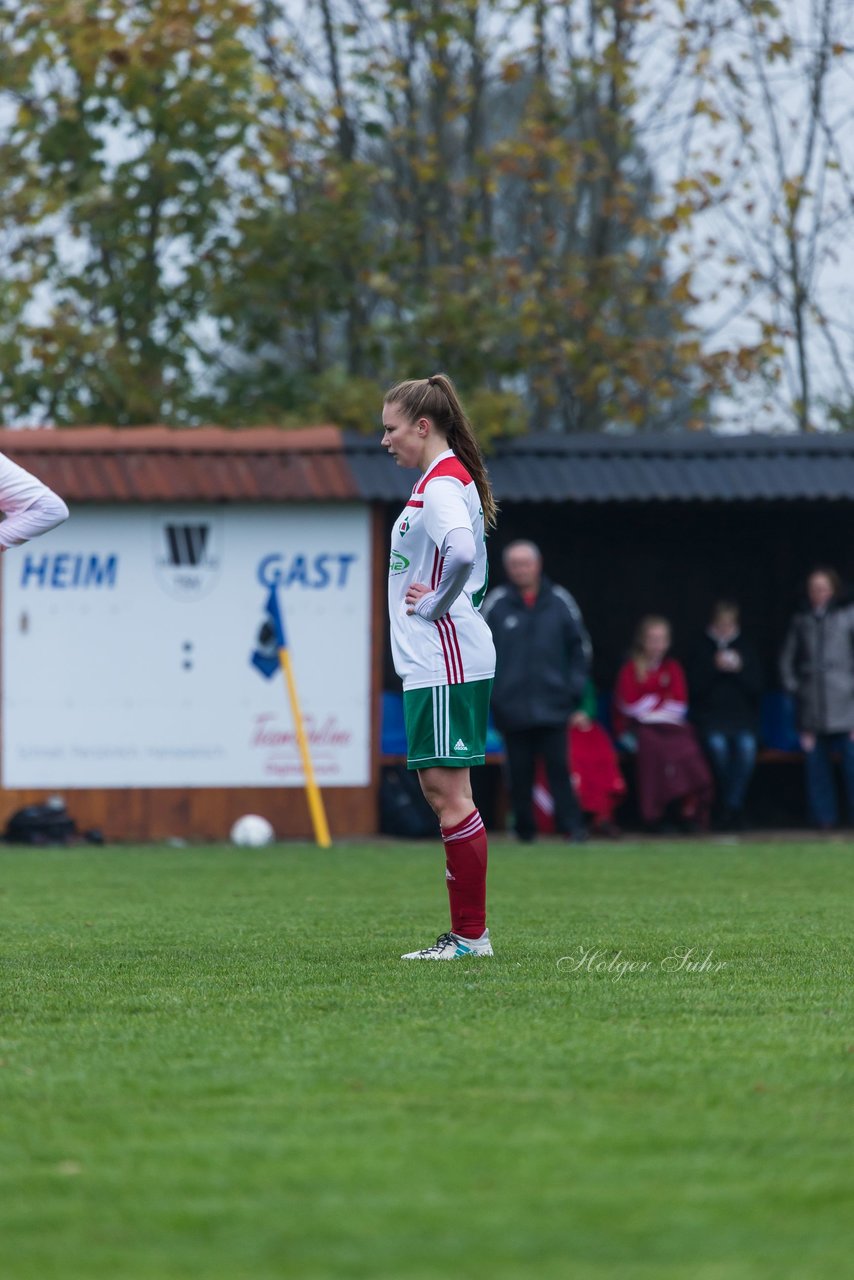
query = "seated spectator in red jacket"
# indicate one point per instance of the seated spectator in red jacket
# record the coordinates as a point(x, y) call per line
point(650, 710)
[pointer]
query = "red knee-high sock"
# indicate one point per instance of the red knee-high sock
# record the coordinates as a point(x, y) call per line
point(465, 872)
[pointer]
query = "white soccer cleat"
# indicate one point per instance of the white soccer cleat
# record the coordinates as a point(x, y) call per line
point(452, 947)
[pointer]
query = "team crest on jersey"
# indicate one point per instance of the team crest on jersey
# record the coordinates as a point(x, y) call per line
point(403, 527)
point(397, 563)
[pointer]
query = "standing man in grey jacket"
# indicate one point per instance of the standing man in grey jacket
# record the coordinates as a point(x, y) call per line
point(817, 667)
point(542, 658)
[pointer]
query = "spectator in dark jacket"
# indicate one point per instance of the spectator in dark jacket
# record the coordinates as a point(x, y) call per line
point(725, 682)
point(542, 662)
point(817, 668)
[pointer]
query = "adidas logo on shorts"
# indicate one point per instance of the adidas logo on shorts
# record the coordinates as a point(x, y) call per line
point(459, 745)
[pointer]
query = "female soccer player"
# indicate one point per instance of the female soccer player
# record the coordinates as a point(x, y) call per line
point(29, 507)
point(442, 647)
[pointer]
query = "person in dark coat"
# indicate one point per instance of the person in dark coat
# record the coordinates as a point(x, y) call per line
point(542, 663)
point(817, 668)
point(725, 683)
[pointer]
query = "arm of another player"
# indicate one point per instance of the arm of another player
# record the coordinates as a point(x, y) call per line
point(29, 507)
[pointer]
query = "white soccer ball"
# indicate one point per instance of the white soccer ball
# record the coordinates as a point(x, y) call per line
point(252, 831)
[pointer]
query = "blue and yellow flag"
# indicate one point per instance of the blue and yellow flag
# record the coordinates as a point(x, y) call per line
point(270, 639)
point(271, 654)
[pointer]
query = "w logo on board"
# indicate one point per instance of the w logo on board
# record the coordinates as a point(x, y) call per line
point(186, 544)
point(187, 555)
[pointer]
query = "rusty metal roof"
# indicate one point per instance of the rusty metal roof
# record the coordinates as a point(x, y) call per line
point(193, 464)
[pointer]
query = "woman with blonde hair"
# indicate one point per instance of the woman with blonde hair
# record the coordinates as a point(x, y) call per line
point(650, 716)
point(442, 647)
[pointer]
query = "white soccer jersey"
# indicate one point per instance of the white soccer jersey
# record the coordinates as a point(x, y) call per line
point(457, 648)
point(29, 507)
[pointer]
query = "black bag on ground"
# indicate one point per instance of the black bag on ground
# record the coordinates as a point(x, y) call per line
point(41, 824)
point(403, 809)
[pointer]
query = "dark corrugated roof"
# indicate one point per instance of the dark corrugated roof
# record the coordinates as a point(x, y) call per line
point(674, 468)
point(204, 464)
point(659, 468)
point(377, 477)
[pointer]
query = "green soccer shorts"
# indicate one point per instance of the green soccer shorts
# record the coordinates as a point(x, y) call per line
point(446, 725)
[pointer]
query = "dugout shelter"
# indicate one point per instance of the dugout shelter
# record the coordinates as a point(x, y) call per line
point(667, 524)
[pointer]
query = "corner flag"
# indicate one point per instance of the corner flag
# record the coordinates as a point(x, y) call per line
point(271, 638)
point(272, 652)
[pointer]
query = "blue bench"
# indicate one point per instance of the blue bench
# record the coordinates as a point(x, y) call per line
point(778, 730)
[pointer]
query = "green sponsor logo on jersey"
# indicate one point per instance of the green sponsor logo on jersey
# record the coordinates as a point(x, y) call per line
point(477, 597)
point(397, 563)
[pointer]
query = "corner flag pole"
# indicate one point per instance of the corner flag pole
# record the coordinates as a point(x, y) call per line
point(312, 791)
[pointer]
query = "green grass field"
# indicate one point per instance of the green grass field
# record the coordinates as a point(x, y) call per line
point(215, 1066)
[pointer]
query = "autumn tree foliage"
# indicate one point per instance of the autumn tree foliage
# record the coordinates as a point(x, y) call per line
point(265, 211)
point(124, 123)
point(456, 186)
